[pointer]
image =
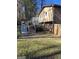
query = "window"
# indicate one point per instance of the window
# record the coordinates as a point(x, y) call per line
point(45, 13)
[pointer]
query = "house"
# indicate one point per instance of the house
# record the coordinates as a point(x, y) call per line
point(50, 18)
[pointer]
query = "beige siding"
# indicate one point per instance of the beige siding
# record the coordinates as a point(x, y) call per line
point(46, 15)
point(57, 29)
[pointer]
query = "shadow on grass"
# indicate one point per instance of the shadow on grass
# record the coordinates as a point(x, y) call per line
point(51, 56)
point(37, 37)
point(30, 55)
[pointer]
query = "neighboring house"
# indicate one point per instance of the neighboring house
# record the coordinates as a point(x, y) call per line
point(50, 18)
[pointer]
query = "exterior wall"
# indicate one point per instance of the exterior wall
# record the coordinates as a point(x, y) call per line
point(46, 15)
point(57, 15)
point(57, 30)
point(57, 21)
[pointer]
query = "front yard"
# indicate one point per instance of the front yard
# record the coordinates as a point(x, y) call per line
point(38, 46)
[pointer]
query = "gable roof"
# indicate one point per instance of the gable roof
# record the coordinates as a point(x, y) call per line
point(55, 5)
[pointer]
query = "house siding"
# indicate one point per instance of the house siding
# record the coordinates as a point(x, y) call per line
point(52, 20)
point(46, 18)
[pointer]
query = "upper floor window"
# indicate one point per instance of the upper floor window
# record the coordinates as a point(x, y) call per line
point(46, 13)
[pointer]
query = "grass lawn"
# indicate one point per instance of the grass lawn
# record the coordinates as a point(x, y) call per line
point(38, 46)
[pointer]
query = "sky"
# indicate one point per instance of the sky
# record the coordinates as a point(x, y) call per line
point(47, 2)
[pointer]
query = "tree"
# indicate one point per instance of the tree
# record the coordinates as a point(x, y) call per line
point(29, 8)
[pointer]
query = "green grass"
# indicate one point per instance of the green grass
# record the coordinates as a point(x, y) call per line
point(38, 46)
